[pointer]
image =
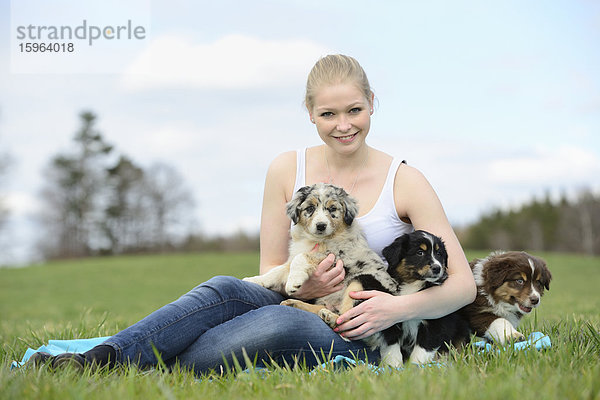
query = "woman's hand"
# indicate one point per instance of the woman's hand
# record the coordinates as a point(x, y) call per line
point(378, 312)
point(327, 278)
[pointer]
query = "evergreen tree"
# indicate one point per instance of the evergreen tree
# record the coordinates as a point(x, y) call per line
point(540, 225)
point(73, 194)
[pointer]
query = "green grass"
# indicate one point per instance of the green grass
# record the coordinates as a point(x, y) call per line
point(98, 297)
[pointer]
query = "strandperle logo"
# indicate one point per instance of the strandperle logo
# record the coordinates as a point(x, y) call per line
point(84, 31)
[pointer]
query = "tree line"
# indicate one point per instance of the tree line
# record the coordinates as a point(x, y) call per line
point(97, 201)
point(540, 225)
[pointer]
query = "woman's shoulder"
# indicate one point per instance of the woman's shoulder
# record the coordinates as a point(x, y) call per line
point(407, 174)
point(282, 172)
point(404, 173)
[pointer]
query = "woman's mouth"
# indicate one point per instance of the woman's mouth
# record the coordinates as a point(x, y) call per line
point(346, 139)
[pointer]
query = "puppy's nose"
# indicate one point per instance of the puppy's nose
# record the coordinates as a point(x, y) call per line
point(534, 300)
point(321, 226)
point(435, 269)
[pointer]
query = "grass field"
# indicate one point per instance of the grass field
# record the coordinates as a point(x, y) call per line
point(98, 297)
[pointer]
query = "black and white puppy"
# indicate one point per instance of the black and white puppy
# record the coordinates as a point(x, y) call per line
point(509, 286)
point(417, 261)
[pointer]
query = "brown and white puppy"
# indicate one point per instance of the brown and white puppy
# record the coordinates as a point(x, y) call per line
point(323, 216)
point(509, 286)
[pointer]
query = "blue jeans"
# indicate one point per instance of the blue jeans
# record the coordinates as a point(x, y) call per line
point(223, 316)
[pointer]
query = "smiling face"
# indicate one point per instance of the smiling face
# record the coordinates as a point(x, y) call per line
point(342, 115)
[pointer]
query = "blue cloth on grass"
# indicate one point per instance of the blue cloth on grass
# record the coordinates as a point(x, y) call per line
point(536, 340)
point(56, 347)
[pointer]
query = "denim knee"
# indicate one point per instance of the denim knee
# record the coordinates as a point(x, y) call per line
point(231, 288)
point(221, 281)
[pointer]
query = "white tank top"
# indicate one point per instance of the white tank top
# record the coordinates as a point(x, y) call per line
point(381, 225)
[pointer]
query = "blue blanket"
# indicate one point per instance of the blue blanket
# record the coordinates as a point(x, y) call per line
point(536, 340)
point(56, 347)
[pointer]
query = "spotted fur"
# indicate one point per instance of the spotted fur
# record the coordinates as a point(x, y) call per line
point(323, 216)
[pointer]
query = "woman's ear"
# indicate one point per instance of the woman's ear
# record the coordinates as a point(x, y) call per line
point(311, 117)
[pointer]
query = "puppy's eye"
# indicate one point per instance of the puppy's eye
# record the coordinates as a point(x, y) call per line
point(519, 281)
point(420, 252)
point(310, 209)
point(332, 209)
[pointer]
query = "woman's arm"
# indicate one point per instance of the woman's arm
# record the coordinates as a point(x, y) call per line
point(274, 223)
point(415, 199)
point(274, 232)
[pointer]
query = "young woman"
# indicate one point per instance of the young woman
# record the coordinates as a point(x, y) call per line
point(225, 316)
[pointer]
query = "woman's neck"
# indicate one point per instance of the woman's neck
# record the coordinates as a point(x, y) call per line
point(345, 170)
point(344, 163)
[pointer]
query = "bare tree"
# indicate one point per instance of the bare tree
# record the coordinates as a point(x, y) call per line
point(124, 219)
point(579, 227)
point(169, 204)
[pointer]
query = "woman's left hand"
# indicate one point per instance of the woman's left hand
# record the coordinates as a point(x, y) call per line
point(378, 312)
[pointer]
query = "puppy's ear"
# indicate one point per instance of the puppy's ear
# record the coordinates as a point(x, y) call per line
point(350, 206)
point(294, 206)
point(396, 251)
point(495, 270)
point(546, 276)
point(440, 242)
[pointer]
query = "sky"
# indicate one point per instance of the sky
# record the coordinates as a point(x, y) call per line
point(495, 102)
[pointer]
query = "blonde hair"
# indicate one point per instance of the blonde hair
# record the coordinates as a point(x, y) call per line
point(334, 69)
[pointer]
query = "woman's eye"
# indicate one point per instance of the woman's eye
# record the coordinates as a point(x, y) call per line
point(326, 114)
point(355, 110)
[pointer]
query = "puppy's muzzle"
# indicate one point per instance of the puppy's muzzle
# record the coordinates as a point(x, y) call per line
point(535, 300)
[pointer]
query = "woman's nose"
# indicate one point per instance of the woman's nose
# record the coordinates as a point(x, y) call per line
point(343, 124)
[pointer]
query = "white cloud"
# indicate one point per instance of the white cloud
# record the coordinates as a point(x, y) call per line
point(21, 203)
point(551, 166)
point(233, 61)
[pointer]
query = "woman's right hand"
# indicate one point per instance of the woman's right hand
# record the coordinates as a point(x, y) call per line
point(328, 278)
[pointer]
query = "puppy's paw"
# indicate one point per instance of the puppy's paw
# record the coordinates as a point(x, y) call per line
point(328, 316)
point(291, 303)
point(294, 282)
point(420, 356)
point(255, 279)
point(517, 336)
point(501, 331)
